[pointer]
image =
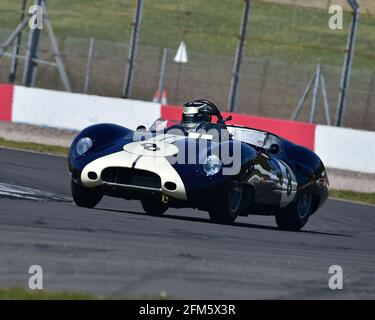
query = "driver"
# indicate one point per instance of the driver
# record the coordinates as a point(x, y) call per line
point(194, 114)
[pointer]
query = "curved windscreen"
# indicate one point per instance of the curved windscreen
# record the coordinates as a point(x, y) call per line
point(162, 124)
point(255, 137)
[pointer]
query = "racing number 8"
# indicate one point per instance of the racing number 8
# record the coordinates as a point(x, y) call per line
point(150, 147)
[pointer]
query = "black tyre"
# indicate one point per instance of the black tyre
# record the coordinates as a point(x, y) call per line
point(85, 197)
point(296, 215)
point(228, 208)
point(154, 207)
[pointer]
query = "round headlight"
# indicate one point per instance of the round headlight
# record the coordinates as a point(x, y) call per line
point(212, 166)
point(83, 145)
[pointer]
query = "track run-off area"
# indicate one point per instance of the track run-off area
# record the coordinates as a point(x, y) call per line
point(117, 250)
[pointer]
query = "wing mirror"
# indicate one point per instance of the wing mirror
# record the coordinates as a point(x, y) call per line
point(274, 148)
point(227, 119)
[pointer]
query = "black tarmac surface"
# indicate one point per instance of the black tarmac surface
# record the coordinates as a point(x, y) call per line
point(116, 249)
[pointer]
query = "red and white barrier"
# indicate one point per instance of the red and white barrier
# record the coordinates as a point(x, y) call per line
point(6, 102)
point(345, 148)
point(340, 148)
point(72, 110)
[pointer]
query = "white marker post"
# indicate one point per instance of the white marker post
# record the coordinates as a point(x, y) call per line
point(181, 57)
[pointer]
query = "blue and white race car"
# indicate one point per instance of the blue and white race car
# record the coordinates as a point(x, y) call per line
point(201, 162)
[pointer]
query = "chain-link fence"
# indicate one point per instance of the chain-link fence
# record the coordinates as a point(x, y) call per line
point(269, 86)
point(368, 5)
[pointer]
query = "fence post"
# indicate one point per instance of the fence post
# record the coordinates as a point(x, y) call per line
point(132, 50)
point(325, 99)
point(162, 73)
point(347, 63)
point(297, 110)
point(31, 54)
point(315, 95)
point(88, 66)
point(232, 99)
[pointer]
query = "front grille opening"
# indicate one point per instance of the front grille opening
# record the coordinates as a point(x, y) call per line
point(130, 176)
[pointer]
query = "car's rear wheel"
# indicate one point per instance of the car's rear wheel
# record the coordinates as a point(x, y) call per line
point(226, 209)
point(85, 197)
point(154, 207)
point(296, 215)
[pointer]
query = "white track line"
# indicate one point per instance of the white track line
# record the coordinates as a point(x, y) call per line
point(18, 192)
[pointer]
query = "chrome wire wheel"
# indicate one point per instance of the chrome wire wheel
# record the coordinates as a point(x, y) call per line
point(228, 207)
point(296, 215)
point(304, 205)
point(235, 197)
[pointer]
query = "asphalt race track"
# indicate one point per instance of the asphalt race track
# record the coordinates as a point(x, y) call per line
point(116, 249)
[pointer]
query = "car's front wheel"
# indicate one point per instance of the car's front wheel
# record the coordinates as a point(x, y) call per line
point(85, 197)
point(154, 206)
point(296, 215)
point(226, 209)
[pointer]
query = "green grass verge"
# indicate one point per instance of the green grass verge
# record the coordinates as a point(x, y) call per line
point(364, 197)
point(24, 294)
point(292, 34)
point(34, 147)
